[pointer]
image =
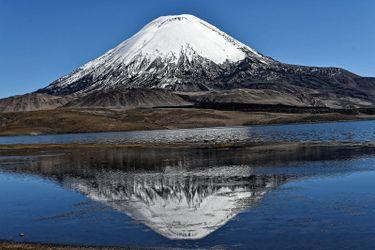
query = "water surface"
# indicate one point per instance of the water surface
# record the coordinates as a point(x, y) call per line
point(292, 196)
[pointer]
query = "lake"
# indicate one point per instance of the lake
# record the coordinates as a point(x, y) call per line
point(317, 196)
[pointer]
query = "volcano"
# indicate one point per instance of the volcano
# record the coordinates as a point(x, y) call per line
point(182, 60)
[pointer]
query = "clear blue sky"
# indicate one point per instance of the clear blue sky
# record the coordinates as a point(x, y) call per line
point(43, 40)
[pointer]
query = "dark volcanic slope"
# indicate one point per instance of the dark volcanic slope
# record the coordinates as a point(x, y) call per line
point(129, 98)
point(261, 84)
point(314, 86)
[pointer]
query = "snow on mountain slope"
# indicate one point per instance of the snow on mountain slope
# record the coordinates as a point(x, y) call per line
point(167, 43)
point(171, 36)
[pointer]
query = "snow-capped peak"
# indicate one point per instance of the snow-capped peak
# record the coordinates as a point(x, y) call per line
point(173, 36)
point(159, 55)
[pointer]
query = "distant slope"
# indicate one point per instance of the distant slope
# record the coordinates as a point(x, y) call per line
point(31, 102)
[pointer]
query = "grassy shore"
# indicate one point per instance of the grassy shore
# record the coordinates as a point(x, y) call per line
point(102, 120)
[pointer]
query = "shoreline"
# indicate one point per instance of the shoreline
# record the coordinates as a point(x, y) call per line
point(209, 127)
point(148, 119)
point(30, 149)
point(12, 245)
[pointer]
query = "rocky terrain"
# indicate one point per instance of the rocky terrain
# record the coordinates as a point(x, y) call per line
point(130, 98)
point(32, 102)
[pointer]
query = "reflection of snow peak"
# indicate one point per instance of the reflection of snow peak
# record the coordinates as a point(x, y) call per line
point(189, 207)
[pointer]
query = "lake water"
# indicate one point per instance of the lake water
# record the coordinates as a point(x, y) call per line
point(289, 197)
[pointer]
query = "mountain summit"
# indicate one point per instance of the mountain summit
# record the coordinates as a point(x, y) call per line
point(178, 37)
point(162, 54)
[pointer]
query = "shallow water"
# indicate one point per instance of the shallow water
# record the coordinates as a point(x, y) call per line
point(288, 198)
point(358, 131)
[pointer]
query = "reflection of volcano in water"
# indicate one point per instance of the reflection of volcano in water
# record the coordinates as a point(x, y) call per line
point(187, 207)
point(181, 194)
